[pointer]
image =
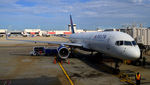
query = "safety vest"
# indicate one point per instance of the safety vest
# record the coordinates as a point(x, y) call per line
point(138, 77)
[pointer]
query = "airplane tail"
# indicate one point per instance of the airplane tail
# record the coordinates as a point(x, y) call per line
point(6, 36)
point(71, 22)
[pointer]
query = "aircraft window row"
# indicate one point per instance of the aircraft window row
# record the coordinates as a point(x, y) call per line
point(127, 43)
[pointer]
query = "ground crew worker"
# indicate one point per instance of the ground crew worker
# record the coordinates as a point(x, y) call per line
point(138, 78)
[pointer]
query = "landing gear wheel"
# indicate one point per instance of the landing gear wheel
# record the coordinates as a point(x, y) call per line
point(138, 63)
point(116, 71)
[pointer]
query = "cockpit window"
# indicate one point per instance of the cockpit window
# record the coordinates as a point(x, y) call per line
point(119, 43)
point(134, 43)
point(127, 43)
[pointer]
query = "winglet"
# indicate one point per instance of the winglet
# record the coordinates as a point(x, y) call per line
point(71, 22)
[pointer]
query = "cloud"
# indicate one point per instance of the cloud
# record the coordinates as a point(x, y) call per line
point(92, 10)
point(137, 1)
point(9, 2)
point(103, 8)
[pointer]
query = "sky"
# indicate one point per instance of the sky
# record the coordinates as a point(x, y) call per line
point(87, 14)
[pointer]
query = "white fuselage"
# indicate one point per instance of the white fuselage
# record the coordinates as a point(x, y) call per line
point(107, 42)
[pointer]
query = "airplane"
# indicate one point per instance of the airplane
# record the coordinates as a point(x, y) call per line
point(116, 44)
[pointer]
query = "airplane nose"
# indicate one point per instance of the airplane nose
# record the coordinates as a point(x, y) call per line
point(136, 54)
point(133, 53)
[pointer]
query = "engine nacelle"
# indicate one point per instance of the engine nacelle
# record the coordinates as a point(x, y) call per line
point(63, 52)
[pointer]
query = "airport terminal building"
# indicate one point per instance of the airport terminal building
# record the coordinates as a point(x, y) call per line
point(39, 32)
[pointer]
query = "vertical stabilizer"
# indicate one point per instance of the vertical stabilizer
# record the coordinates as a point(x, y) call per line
point(71, 22)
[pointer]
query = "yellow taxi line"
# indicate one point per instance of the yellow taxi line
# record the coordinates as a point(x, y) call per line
point(71, 83)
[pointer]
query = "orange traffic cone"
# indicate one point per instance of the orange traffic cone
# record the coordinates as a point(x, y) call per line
point(68, 61)
point(54, 61)
point(61, 62)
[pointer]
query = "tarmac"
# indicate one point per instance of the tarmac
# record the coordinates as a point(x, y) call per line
point(18, 67)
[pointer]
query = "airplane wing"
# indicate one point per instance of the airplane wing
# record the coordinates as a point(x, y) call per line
point(51, 42)
point(54, 42)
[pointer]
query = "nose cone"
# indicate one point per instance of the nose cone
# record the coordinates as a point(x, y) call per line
point(133, 53)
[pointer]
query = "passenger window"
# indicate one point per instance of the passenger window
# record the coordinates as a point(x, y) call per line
point(127, 43)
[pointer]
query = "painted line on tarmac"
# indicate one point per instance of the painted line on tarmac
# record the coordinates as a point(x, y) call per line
point(71, 83)
point(125, 79)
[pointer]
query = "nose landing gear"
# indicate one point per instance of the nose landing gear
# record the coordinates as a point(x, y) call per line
point(116, 69)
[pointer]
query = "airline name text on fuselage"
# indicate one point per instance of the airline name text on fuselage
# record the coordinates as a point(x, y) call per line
point(101, 37)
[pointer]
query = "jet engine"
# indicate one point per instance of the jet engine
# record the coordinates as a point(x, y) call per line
point(63, 52)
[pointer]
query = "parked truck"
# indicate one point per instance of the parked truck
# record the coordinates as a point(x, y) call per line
point(45, 51)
